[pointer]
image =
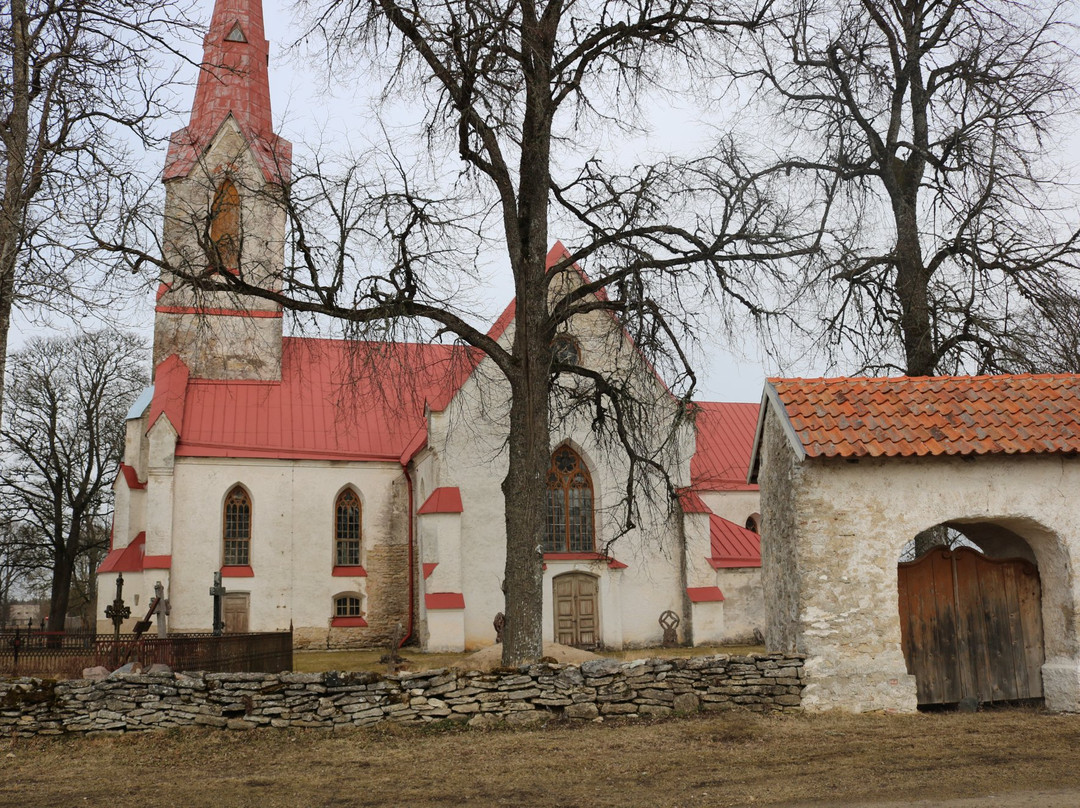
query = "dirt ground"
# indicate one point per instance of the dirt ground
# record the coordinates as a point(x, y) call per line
point(1000, 758)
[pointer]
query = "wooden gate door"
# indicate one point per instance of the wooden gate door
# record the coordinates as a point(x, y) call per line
point(234, 608)
point(971, 626)
point(576, 600)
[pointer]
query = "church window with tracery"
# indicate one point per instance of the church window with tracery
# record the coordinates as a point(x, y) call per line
point(347, 529)
point(569, 504)
point(237, 528)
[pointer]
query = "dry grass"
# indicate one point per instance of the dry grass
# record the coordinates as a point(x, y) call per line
point(315, 661)
point(710, 760)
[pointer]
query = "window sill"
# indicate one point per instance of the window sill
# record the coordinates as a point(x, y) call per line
point(351, 571)
point(237, 571)
point(611, 562)
point(348, 622)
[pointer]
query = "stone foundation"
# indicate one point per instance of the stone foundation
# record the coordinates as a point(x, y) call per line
point(595, 689)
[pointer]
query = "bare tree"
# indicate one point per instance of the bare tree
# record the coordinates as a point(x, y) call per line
point(63, 439)
point(516, 95)
point(932, 120)
point(78, 80)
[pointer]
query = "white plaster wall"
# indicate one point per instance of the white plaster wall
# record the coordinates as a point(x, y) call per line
point(853, 519)
point(469, 441)
point(735, 506)
point(292, 541)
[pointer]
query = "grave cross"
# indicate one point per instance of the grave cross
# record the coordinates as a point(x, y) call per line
point(162, 607)
point(117, 611)
point(217, 591)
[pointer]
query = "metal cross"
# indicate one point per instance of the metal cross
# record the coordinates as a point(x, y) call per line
point(117, 611)
point(217, 591)
point(162, 607)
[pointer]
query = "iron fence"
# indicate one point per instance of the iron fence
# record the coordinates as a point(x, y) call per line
point(66, 654)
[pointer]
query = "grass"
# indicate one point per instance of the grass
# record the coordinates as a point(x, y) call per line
point(730, 759)
point(368, 660)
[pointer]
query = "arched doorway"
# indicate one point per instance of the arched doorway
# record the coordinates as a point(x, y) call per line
point(971, 621)
point(577, 610)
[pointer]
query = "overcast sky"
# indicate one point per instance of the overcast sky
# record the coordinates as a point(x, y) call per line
point(305, 112)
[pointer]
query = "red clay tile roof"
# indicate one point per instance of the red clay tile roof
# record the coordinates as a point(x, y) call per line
point(949, 415)
point(321, 408)
point(732, 545)
point(725, 437)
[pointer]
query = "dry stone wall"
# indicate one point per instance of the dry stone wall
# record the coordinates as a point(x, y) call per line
point(593, 690)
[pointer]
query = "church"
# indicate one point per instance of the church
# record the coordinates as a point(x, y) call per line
point(346, 488)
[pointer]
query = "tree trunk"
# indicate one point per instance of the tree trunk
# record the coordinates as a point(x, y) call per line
point(525, 498)
point(63, 568)
point(912, 289)
point(15, 136)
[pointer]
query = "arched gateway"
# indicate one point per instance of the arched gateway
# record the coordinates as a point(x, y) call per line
point(853, 470)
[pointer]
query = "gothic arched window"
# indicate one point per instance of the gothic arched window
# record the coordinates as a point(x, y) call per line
point(347, 529)
point(569, 504)
point(565, 351)
point(237, 528)
point(225, 226)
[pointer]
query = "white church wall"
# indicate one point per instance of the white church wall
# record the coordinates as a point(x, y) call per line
point(735, 506)
point(292, 536)
point(469, 438)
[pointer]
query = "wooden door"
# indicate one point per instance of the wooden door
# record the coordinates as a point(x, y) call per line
point(234, 607)
point(576, 614)
point(971, 626)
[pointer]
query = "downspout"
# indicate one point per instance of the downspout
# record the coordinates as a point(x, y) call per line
point(412, 567)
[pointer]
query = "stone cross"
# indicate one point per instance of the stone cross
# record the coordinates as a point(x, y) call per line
point(117, 611)
point(161, 609)
point(217, 591)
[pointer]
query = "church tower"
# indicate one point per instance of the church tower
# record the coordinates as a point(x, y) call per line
point(223, 178)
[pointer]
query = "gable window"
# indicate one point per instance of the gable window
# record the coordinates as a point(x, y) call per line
point(564, 350)
point(237, 528)
point(569, 504)
point(347, 530)
point(225, 226)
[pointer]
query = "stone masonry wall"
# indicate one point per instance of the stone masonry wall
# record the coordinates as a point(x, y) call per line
point(593, 690)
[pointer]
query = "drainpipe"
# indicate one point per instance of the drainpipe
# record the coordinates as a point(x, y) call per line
point(412, 569)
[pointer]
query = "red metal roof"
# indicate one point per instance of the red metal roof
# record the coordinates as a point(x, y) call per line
point(126, 559)
point(732, 545)
point(170, 387)
point(704, 594)
point(443, 500)
point(691, 502)
point(444, 600)
point(949, 415)
point(725, 438)
point(234, 80)
point(131, 478)
point(335, 400)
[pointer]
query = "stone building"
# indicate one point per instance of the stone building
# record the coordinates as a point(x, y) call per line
point(853, 470)
point(343, 488)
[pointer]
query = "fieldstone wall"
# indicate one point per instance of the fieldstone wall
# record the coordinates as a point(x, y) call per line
point(590, 691)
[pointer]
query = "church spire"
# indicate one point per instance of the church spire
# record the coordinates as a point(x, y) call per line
point(233, 80)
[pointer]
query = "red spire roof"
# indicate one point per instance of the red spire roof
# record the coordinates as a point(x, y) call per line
point(233, 80)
